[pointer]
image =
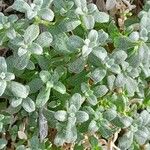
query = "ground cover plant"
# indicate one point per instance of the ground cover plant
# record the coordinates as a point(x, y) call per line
point(74, 77)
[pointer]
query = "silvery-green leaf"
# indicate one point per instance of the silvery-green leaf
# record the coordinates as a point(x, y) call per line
point(119, 56)
point(18, 90)
point(15, 102)
point(3, 65)
point(3, 85)
point(120, 80)
point(46, 3)
point(20, 147)
point(93, 36)
point(21, 6)
point(43, 97)
point(28, 104)
point(92, 99)
point(12, 18)
point(102, 36)
point(131, 86)
point(93, 126)
point(77, 66)
point(22, 51)
point(144, 34)
point(97, 75)
point(60, 136)
point(100, 53)
point(11, 34)
point(1, 126)
point(30, 65)
point(43, 126)
point(115, 69)
point(60, 42)
point(75, 42)
point(45, 76)
point(110, 4)
point(110, 81)
point(30, 14)
point(3, 143)
point(38, 2)
point(86, 50)
point(127, 121)
point(145, 117)
point(100, 90)
point(82, 4)
point(69, 24)
point(35, 85)
point(71, 131)
point(31, 33)
point(21, 62)
point(84, 87)
point(44, 39)
point(101, 17)
point(142, 135)
point(76, 100)
point(46, 14)
point(35, 48)
point(134, 36)
point(88, 21)
point(110, 114)
point(126, 140)
point(60, 115)
point(91, 8)
point(81, 116)
point(60, 87)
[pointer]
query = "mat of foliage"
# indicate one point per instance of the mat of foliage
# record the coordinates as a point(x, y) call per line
point(74, 77)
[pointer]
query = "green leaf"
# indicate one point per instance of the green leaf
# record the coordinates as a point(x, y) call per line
point(28, 104)
point(18, 90)
point(43, 97)
point(3, 85)
point(46, 14)
point(44, 39)
point(68, 25)
point(97, 75)
point(31, 33)
point(3, 143)
point(100, 90)
point(35, 48)
point(3, 65)
point(81, 116)
point(61, 115)
point(60, 87)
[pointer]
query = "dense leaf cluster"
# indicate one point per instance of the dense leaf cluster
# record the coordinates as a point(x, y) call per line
point(70, 68)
